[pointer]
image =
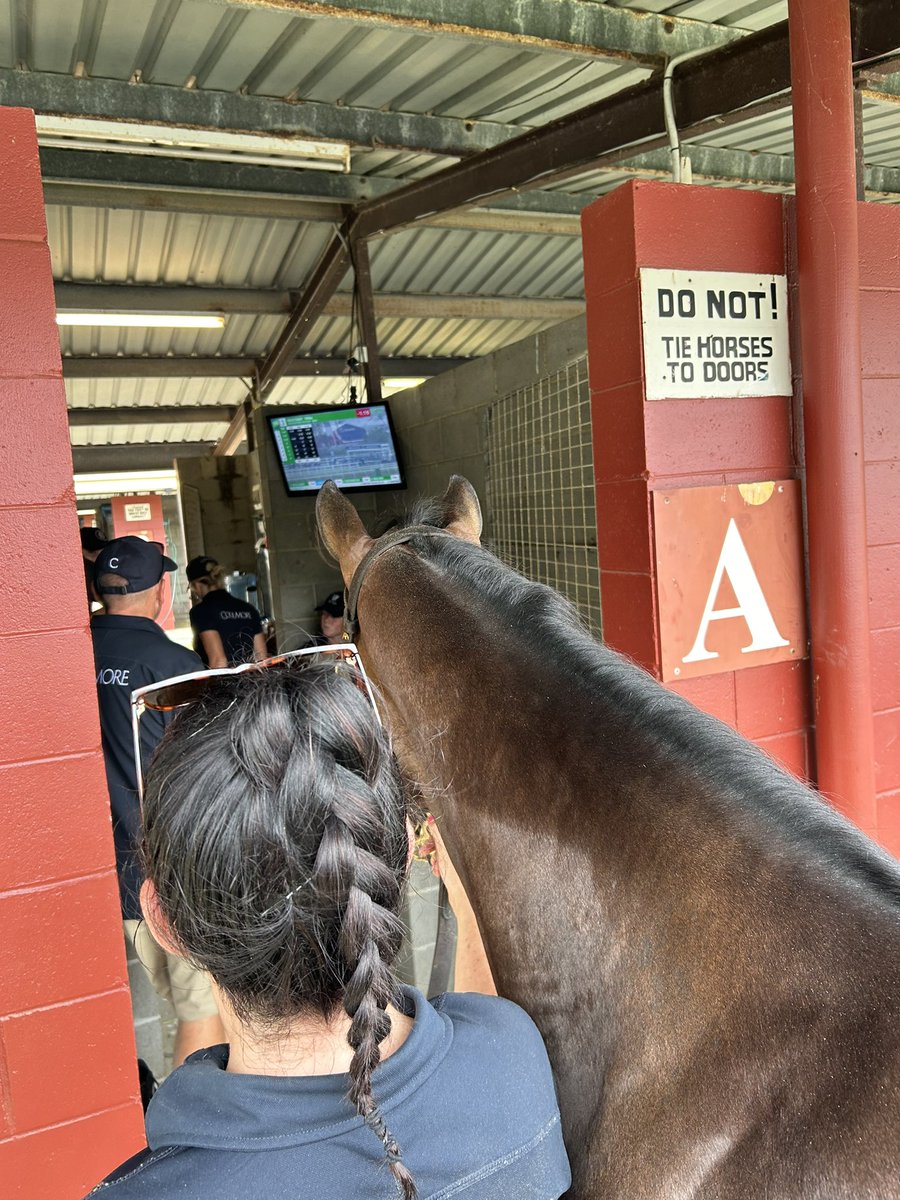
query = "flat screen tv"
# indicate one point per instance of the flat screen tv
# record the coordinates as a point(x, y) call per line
point(353, 446)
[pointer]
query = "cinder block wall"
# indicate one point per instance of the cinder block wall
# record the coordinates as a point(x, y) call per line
point(69, 1108)
point(441, 430)
point(217, 508)
point(879, 238)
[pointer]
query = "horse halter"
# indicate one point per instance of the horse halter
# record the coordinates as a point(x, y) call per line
point(386, 542)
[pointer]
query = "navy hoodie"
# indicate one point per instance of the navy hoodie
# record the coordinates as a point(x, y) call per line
point(469, 1097)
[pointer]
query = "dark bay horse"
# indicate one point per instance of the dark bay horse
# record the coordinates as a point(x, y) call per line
point(711, 953)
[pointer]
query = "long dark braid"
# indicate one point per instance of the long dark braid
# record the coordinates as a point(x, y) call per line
point(275, 834)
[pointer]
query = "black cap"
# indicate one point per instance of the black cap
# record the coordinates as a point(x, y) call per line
point(333, 604)
point(91, 538)
point(199, 568)
point(141, 563)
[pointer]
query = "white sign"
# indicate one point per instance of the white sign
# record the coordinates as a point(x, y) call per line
point(714, 333)
point(137, 512)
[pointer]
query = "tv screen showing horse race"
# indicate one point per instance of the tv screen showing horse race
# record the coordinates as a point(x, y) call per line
point(354, 447)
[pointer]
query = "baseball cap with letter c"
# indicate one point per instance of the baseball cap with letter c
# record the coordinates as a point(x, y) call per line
point(142, 564)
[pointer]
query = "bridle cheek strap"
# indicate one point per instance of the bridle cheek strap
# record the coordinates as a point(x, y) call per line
point(387, 541)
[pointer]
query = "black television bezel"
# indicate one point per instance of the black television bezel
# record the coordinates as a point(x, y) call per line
point(309, 409)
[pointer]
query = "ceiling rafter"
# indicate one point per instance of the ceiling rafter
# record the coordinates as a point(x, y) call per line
point(118, 297)
point(151, 414)
point(720, 85)
point(756, 67)
point(84, 177)
point(573, 27)
point(161, 104)
point(135, 456)
point(96, 366)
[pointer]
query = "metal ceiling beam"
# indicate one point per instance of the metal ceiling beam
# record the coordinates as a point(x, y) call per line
point(130, 181)
point(140, 456)
point(576, 27)
point(115, 367)
point(161, 104)
point(364, 319)
point(236, 433)
point(117, 297)
point(139, 197)
point(150, 414)
point(755, 67)
point(716, 86)
point(322, 285)
point(711, 164)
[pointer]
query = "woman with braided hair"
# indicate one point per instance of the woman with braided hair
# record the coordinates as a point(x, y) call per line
point(276, 848)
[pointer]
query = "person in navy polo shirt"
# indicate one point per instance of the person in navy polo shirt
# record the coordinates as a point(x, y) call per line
point(227, 630)
point(131, 650)
point(277, 849)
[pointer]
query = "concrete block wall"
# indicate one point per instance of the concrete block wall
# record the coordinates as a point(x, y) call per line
point(441, 429)
point(69, 1106)
point(302, 573)
point(879, 238)
point(442, 425)
point(223, 487)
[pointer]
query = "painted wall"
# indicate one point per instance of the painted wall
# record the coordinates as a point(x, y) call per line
point(441, 429)
point(663, 444)
point(880, 325)
point(217, 507)
point(69, 1110)
point(642, 446)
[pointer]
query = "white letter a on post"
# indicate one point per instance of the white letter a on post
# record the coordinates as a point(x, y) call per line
point(752, 607)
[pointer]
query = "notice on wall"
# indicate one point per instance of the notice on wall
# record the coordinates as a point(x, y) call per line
point(714, 334)
point(730, 582)
point(137, 512)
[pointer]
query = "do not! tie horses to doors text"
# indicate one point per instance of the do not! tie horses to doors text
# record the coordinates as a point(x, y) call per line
point(714, 334)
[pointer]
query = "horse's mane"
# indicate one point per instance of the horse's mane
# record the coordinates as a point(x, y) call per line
point(714, 753)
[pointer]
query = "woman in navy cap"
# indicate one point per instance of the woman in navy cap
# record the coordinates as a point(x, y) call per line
point(331, 621)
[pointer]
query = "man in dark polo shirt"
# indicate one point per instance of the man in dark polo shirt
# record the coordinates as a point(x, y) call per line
point(131, 650)
point(227, 630)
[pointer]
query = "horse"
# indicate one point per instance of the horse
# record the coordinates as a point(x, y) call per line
point(711, 952)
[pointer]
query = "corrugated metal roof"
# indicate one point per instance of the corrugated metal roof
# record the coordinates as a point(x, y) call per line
point(332, 59)
point(743, 14)
point(322, 58)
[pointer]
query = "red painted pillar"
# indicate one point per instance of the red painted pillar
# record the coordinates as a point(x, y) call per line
point(828, 265)
point(644, 447)
point(68, 1085)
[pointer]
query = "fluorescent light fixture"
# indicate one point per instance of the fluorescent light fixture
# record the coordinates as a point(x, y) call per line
point(100, 485)
point(144, 320)
point(175, 141)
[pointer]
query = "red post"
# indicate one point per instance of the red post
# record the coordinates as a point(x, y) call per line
point(828, 261)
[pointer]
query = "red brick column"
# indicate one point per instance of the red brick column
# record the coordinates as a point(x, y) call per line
point(68, 1085)
point(643, 446)
point(879, 235)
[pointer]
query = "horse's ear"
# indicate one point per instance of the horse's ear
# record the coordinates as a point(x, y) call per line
point(341, 529)
point(462, 510)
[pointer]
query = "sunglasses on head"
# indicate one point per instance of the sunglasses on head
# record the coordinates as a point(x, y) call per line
point(168, 695)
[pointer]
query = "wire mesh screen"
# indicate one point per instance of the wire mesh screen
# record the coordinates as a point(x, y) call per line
point(541, 486)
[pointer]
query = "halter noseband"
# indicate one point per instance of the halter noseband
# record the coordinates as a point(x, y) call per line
point(387, 542)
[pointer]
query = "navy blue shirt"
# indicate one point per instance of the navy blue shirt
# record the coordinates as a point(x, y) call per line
point(469, 1097)
point(235, 621)
point(130, 652)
